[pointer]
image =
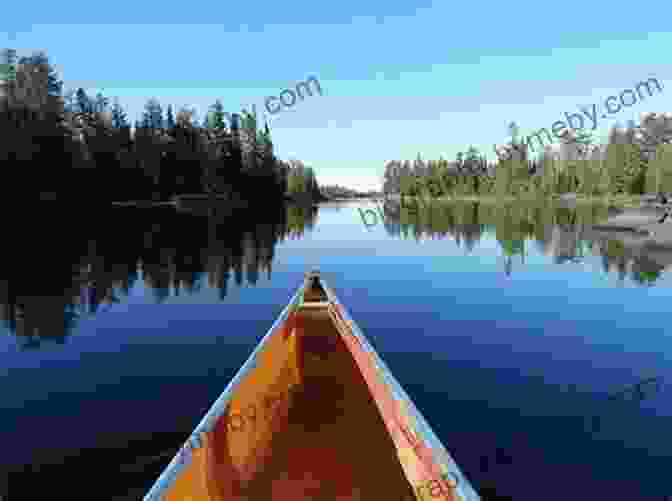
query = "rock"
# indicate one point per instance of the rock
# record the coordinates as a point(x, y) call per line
point(650, 197)
point(632, 219)
point(654, 200)
point(568, 200)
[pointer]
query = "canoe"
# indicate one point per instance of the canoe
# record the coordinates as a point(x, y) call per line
point(314, 413)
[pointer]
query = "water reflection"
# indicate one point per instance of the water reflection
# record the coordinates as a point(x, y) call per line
point(53, 279)
point(78, 266)
point(563, 233)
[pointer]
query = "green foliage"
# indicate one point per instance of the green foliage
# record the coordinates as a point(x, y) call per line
point(302, 181)
point(119, 118)
point(635, 169)
point(249, 121)
point(8, 64)
point(503, 178)
point(623, 171)
point(152, 117)
point(658, 175)
point(615, 166)
point(170, 119)
point(653, 175)
point(216, 117)
point(155, 164)
point(664, 154)
point(40, 62)
point(472, 155)
point(646, 277)
point(100, 103)
point(84, 104)
point(586, 181)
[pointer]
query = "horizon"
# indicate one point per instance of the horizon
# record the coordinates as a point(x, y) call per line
point(384, 96)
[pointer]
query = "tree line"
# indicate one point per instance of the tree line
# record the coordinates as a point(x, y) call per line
point(75, 147)
point(636, 160)
point(302, 182)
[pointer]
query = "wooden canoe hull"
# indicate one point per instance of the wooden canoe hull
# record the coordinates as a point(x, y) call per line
point(313, 414)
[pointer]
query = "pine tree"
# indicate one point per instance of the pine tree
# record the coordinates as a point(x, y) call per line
point(84, 103)
point(170, 120)
point(216, 116)
point(503, 178)
point(152, 117)
point(312, 187)
point(119, 118)
point(69, 101)
point(584, 177)
point(264, 136)
point(548, 172)
point(40, 60)
point(31, 82)
point(615, 160)
point(634, 175)
point(459, 160)
point(471, 158)
point(664, 157)
point(100, 104)
point(615, 165)
point(8, 64)
point(249, 123)
point(654, 172)
point(267, 132)
point(600, 173)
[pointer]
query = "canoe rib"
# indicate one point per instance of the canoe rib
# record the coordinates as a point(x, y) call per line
point(313, 413)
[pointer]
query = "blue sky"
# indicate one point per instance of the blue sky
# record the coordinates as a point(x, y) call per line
point(397, 78)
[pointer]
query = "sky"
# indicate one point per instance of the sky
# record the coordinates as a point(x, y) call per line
point(397, 78)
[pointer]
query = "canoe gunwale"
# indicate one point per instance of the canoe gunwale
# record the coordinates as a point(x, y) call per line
point(349, 330)
point(218, 408)
point(464, 489)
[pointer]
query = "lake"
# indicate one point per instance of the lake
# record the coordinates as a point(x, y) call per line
point(539, 350)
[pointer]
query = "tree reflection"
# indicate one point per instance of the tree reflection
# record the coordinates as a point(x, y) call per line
point(45, 293)
point(564, 233)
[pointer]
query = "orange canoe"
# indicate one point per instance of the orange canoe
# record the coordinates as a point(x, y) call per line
point(313, 414)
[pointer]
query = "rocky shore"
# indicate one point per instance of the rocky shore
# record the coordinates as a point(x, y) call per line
point(648, 224)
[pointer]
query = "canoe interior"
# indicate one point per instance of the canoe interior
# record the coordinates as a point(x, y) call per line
point(300, 423)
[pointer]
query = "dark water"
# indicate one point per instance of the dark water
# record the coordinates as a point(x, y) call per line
point(538, 350)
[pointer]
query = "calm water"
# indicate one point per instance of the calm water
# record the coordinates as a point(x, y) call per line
point(518, 332)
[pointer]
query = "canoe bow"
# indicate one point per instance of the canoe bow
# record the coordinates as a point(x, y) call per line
point(314, 410)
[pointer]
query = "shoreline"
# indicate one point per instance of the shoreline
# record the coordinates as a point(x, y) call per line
point(632, 217)
point(626, 200)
